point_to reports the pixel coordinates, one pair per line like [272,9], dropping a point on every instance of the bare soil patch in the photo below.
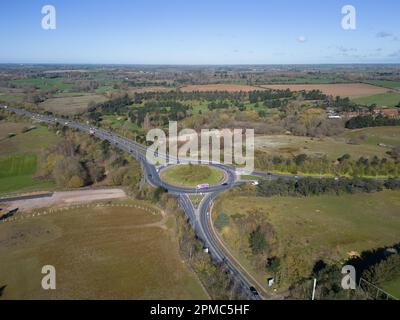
[67,198]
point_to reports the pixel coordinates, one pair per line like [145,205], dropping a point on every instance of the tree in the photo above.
[75,182]
[257,241]
[65,169]
[274,264]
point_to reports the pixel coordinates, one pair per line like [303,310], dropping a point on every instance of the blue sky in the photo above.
[200,32]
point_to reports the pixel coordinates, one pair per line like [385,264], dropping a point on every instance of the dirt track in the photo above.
[67,198]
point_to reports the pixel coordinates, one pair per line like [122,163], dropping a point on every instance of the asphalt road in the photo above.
[27,197]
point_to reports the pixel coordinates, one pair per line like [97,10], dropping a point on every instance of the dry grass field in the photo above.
[365,144]
[71,105]
[325,227]
[99,252]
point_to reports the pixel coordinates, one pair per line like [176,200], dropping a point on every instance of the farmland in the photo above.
[352,90]
[390,99]
[308,229]
[385,83]
[123,253]
[71,104]
[46,83]
[19,155]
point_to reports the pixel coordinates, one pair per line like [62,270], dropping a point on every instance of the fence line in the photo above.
[379,291]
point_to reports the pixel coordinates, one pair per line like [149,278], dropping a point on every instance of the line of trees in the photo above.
[322,165]
[314,186]
[140,97]
[371,121]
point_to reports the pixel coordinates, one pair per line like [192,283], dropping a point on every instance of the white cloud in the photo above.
[301,39]
[384,35]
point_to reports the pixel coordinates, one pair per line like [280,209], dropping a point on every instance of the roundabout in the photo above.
[192,175]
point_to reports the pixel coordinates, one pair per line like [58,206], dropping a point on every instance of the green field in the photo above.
[116,122]
[393,287]
[10,95]
[98,253]
[192,175]
[18,165]
[16,174]
[328,227]
[19,157]
[389,99]
[385,83]
[33,141]
[47,83]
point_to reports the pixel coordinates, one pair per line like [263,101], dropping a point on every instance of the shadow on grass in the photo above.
[2,290]
[370,258]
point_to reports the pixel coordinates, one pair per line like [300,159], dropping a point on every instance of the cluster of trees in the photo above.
[214,276]
[257,241]
[322,165]
[371,121]
[377,266]
[329,278]
[310,122]
[341,104]
[118,105]
[158,112]
[382,272]
[313,95]
[267,95]
[78,161]
[218,105]
[140,97]
[315,186]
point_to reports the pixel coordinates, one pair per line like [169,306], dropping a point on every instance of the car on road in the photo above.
[203,186]
[225,184]
[254,291]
